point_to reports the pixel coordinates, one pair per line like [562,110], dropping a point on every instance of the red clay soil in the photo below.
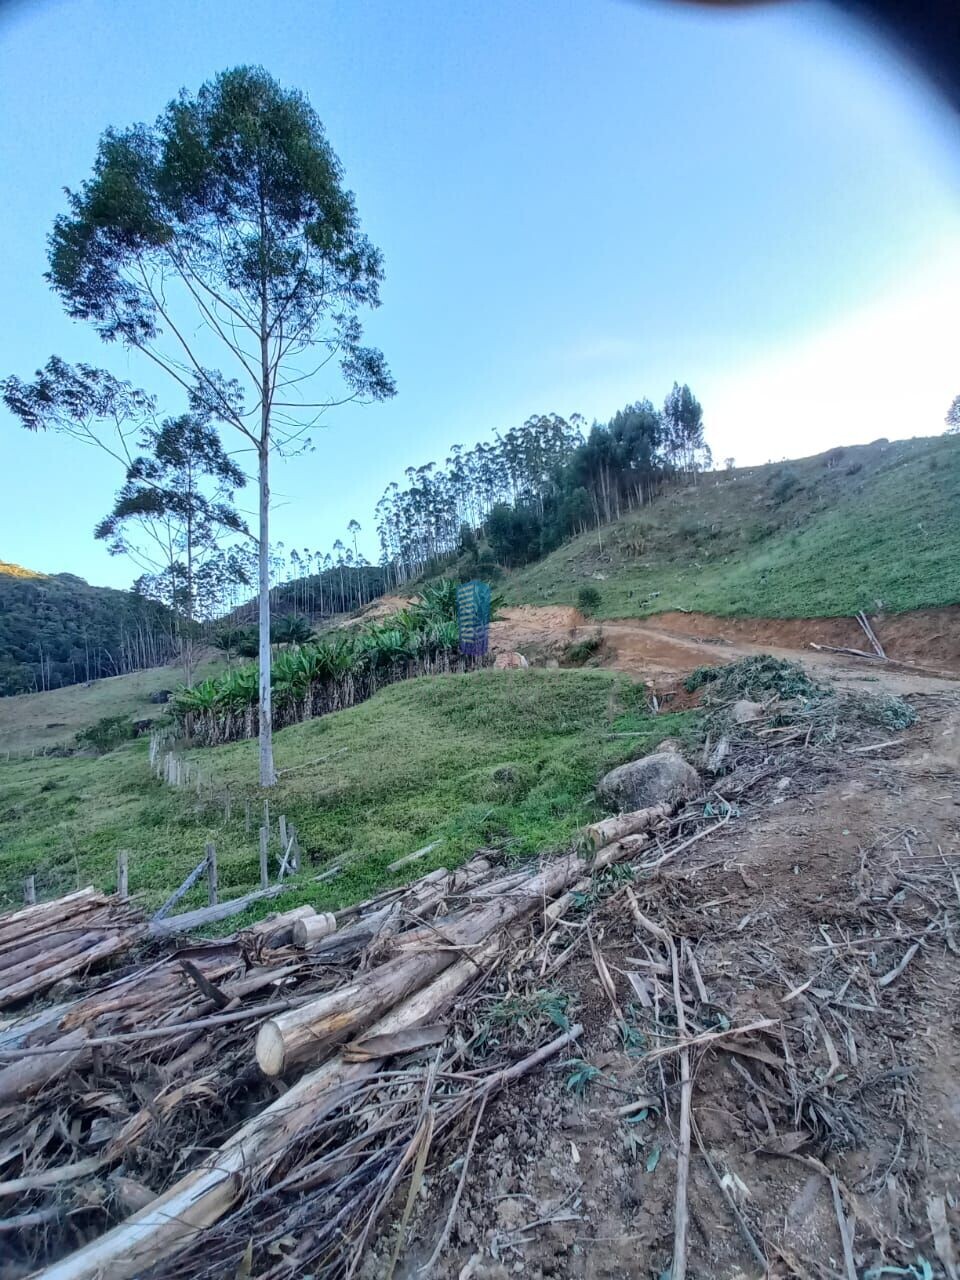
[926,636]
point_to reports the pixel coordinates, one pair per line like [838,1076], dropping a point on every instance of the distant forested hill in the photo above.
[59,630]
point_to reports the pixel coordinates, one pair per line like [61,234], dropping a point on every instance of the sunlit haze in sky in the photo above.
[578,202]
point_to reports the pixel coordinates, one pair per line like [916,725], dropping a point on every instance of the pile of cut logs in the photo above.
[106,1100]
[47,942]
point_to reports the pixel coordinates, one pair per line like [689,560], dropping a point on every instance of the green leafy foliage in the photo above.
[581,1076]
[756,677]
[589,600]
[328,674]
[57,631]
[581,651]
[107,734]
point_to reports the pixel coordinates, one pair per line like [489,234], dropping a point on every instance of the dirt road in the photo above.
[662,649]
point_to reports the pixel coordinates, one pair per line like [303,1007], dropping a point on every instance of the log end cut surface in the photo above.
[270,1049]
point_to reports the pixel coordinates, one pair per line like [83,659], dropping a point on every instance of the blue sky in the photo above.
[578,201]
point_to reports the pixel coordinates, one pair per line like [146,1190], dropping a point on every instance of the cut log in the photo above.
[26,1077]
[209,915]
[311,929]
[313,1030]
[172,1221]
[17,924]
[72,959]
[277,930]
[414,857]
[606,832]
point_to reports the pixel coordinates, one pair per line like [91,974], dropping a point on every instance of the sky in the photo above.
[578,202]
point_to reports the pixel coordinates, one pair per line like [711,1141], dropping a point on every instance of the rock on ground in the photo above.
[663,778]
[505,661]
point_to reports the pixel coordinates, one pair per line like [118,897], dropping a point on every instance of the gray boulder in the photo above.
[663,778]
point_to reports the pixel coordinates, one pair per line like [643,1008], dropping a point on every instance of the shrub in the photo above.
[588,600]
[107,734]
[755,677]
[575,655]
[787,484]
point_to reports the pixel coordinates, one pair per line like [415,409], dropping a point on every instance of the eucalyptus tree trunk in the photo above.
[268,774]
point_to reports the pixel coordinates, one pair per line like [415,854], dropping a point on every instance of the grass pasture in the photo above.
[501,759]
[867,527]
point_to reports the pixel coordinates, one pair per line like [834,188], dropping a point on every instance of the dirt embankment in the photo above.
[673,644]
[930,637]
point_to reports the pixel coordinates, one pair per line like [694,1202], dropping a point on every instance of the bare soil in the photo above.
[924,646]
[803,909]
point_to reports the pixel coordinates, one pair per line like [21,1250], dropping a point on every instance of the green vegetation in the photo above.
[39,721]
[57,630]
[859,528]
[330,675]
[589,600]
[758,677]
[581,651]
[504,759]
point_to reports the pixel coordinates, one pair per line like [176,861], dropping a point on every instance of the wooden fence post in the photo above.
[264,864]
[212,873]
[30,890]
[284,839]
[123,859]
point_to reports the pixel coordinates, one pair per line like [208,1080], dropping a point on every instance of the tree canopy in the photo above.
[224,231]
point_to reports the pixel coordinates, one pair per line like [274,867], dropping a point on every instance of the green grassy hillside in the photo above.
[40,720]
[859,528]
[507,759]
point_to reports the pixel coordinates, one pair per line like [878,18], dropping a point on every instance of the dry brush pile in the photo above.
[254,1107]
[114,1098]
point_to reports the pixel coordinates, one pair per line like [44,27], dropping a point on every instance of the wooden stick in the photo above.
[877,746]
[455,1203]
[732,1204]
[209,915]
[412,857]
[123,863]
[898,969]
[30,890]
[845,1233]
[708,1037]
[211,850]
[184,889]
[869,633]
[169,1030]
[264,863]
[51,1177]
[835,648]
[680,1212]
